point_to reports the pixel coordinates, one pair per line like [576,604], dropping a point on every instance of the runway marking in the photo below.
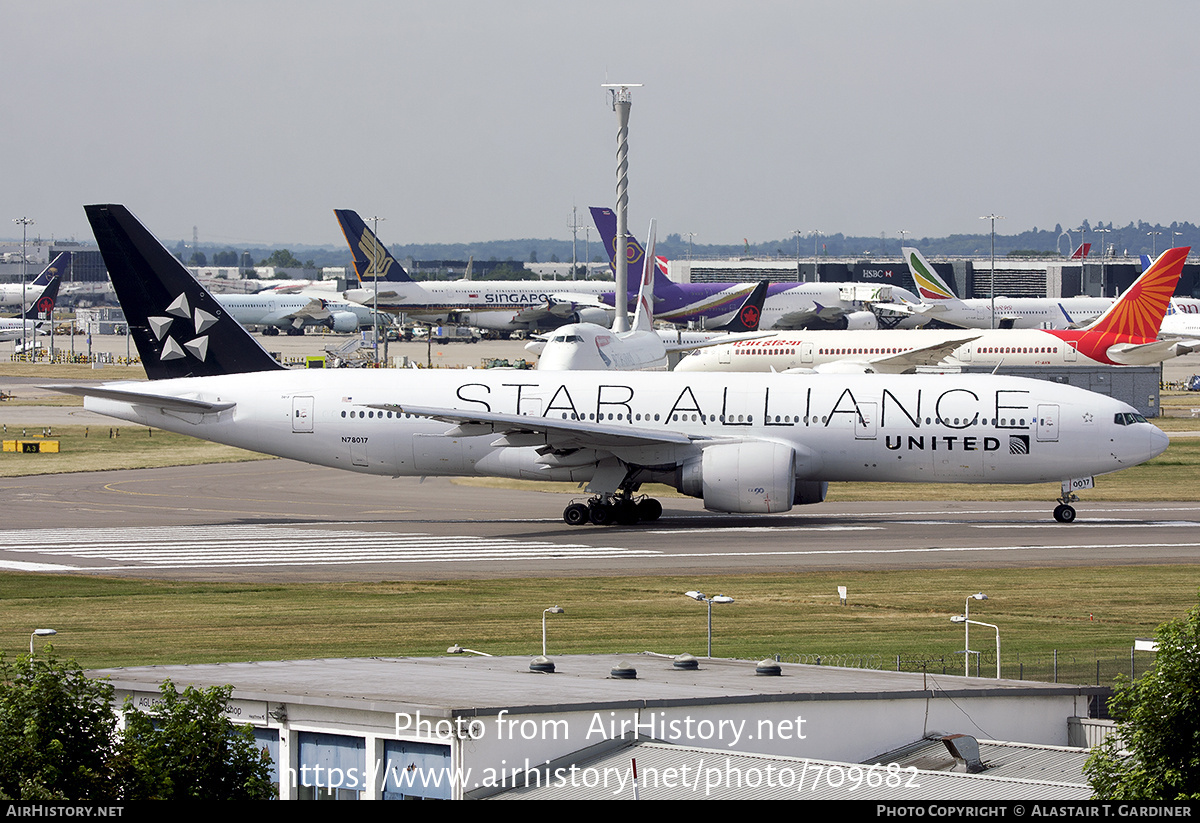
[216,546]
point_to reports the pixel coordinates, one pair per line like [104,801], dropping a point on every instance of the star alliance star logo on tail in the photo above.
[201,321]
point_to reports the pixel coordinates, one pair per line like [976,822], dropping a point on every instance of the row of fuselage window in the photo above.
[981,350]
[785,419]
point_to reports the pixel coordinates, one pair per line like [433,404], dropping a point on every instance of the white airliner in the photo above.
[11,294]
[1126,335]
[589,346]
[742,442]
[497,305]
[42,294]
[293,313]
[939,302]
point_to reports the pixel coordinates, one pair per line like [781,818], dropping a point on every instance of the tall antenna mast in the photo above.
[621,102]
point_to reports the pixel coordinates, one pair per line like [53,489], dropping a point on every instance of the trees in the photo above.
[59,741]
[57,731]
[189,750]
[1158,723]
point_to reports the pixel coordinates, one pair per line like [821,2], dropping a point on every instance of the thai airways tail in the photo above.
[372,260]
[606,224]
[179,328]
[1140,310]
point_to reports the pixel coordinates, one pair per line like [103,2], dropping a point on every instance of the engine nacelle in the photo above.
[844,367]
[861,320]
[342,321]
[594,315]
[756,477]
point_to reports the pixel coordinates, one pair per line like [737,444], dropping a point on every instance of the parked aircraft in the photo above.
[293,313]
[11,294]
[788,305]
[497,305]
[42,300]
[742,442]
[1125,335]
[939,302]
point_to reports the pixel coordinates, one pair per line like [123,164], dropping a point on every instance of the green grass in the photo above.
[105,448]
[111,622]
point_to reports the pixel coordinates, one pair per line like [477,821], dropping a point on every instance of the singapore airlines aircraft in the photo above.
[742,442]
[1126,335]
[498,305]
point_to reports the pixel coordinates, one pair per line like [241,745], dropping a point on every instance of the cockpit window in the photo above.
[1128,418]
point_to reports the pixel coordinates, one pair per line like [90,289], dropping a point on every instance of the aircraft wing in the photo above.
[159,401]
[796,319]
[560,434]
[930,355]
[315,309]
[1148,353]
[715,341]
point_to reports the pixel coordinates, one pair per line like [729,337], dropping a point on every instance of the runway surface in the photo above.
[276,521]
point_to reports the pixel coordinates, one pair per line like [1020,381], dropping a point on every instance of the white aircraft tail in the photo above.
[643,318]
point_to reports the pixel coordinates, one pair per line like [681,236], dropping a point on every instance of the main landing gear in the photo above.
[612,509]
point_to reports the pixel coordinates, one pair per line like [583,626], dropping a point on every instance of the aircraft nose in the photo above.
[1158,441]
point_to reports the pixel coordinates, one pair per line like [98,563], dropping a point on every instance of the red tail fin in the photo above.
[1139,311]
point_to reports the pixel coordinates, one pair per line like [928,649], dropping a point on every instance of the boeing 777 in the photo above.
[756,443]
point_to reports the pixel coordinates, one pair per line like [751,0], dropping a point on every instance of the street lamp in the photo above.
[958,618]
[967,633]
[720,598]
[1153,235]
[993,217]
[375,277]
[551,610]
[1103,255]
[40,633]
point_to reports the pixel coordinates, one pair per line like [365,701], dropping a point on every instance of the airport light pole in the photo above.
[720,598]
[958,618]
[24,223]
[621,103]
[993,217]
[40,633]
[797,233]
[1103,254]
[967,632]
[551,610]
[1153,235]
[816,234]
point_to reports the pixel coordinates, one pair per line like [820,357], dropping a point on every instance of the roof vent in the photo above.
[965,751]
[542,664]
[623,671]
[686,662]
[768,668]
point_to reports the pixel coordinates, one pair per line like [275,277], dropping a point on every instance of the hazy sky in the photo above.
[470,121]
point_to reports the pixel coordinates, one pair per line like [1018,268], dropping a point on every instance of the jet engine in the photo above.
[861,320]
[593,315]
[753,477]
[342,321]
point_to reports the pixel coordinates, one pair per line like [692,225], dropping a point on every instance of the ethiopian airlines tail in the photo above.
[1139,312]
[930,285]
[179,328]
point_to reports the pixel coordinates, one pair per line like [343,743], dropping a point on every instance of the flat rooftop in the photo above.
[484,685]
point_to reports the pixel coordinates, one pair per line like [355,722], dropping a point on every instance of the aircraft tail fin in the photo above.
[606,223]
[57,268]
[179,328]
[371,258]
[1140,310]
[643,318]
[44,302]
[930,285]
[748,316]
[1081,252]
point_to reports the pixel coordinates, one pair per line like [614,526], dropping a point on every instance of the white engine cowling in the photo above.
[755,477]
[594,315]
[861,320]
[343,321]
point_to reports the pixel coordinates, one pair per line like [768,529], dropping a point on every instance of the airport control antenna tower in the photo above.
[621,101]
